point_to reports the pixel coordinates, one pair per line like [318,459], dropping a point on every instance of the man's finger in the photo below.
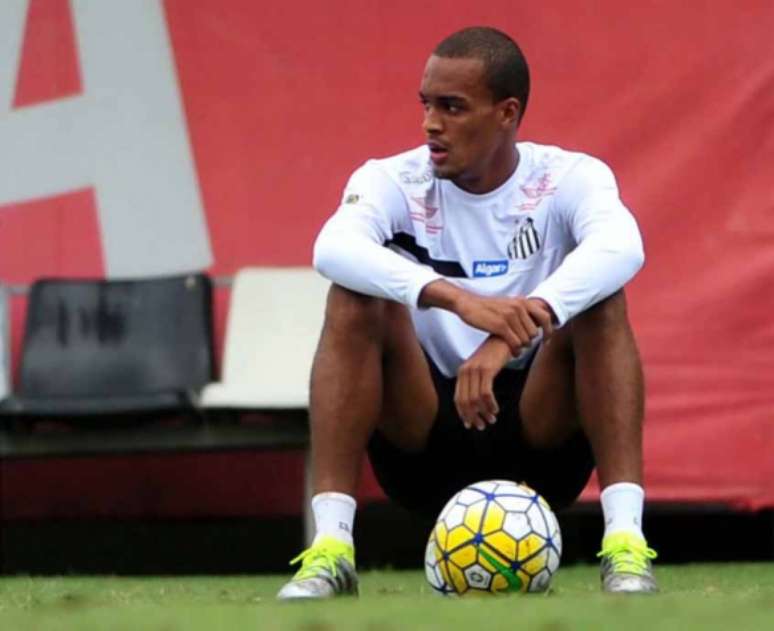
[476,408]
[513,342]
[490,403]
[528,321]
[517,327]
[469,416]
[481,398]
[542,316]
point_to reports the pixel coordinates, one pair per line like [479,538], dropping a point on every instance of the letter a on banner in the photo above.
[125,136]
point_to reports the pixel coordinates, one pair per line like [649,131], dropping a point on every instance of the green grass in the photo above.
[732,597]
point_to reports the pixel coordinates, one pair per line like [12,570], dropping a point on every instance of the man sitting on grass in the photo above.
[477,325]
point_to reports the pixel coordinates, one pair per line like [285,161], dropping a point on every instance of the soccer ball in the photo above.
[493,536]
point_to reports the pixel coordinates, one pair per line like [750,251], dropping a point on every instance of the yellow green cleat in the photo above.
[626,566]
[327,570]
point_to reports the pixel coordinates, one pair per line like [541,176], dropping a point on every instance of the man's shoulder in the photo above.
[557,168]
[543,157]
[408,168]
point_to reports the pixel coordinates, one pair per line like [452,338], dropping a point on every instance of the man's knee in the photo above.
[356,315]
[604,316]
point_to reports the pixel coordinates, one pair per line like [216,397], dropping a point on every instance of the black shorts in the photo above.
[455,457]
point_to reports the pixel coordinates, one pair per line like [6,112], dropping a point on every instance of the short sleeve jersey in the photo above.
[556,229]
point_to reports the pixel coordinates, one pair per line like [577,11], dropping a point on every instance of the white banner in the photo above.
[126,136]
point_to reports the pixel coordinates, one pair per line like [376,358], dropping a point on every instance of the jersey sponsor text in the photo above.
[489,268]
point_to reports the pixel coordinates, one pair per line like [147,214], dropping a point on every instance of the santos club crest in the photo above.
[525,242]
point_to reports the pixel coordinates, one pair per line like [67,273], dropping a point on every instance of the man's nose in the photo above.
[431,123]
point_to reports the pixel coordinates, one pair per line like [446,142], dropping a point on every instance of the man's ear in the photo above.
[511,111]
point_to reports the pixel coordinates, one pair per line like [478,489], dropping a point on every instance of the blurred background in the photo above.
[144,139]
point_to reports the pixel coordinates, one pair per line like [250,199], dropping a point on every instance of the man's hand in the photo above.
[474,397]
[515,320]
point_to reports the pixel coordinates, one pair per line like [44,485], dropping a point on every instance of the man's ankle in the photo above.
[334,516]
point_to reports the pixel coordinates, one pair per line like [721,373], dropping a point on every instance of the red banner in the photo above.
[281,102]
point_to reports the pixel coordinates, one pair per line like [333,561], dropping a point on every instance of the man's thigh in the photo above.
[409,399]
[548,407]
[423,479]
[455,457]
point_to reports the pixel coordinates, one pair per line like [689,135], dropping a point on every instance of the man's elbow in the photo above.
[323,254]
[628,252]
[332,253]
[627,258]
[635,257]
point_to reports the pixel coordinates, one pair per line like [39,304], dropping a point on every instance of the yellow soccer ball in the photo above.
[491,537]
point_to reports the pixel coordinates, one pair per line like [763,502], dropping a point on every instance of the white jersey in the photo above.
[556,229]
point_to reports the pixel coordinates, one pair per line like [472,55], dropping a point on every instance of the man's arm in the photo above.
[514,320]
[473,396]
[350,247]
[350,251]
[609,248]
[609,253]
[512,323]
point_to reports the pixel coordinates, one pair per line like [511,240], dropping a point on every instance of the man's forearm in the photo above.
[352,259]
[442,294]
[445,295]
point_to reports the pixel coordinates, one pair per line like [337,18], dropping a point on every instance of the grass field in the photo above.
[732,597]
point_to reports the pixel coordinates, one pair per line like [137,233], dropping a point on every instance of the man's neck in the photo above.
[501,168]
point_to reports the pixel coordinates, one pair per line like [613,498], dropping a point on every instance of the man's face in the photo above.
[465,129]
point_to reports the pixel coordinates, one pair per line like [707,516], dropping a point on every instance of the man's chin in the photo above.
[443,172]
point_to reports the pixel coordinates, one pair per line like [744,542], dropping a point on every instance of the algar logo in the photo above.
[485,269]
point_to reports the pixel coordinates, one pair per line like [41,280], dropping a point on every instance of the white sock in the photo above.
[622,507]
[334,516]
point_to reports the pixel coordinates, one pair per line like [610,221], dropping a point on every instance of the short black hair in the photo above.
[505,67]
